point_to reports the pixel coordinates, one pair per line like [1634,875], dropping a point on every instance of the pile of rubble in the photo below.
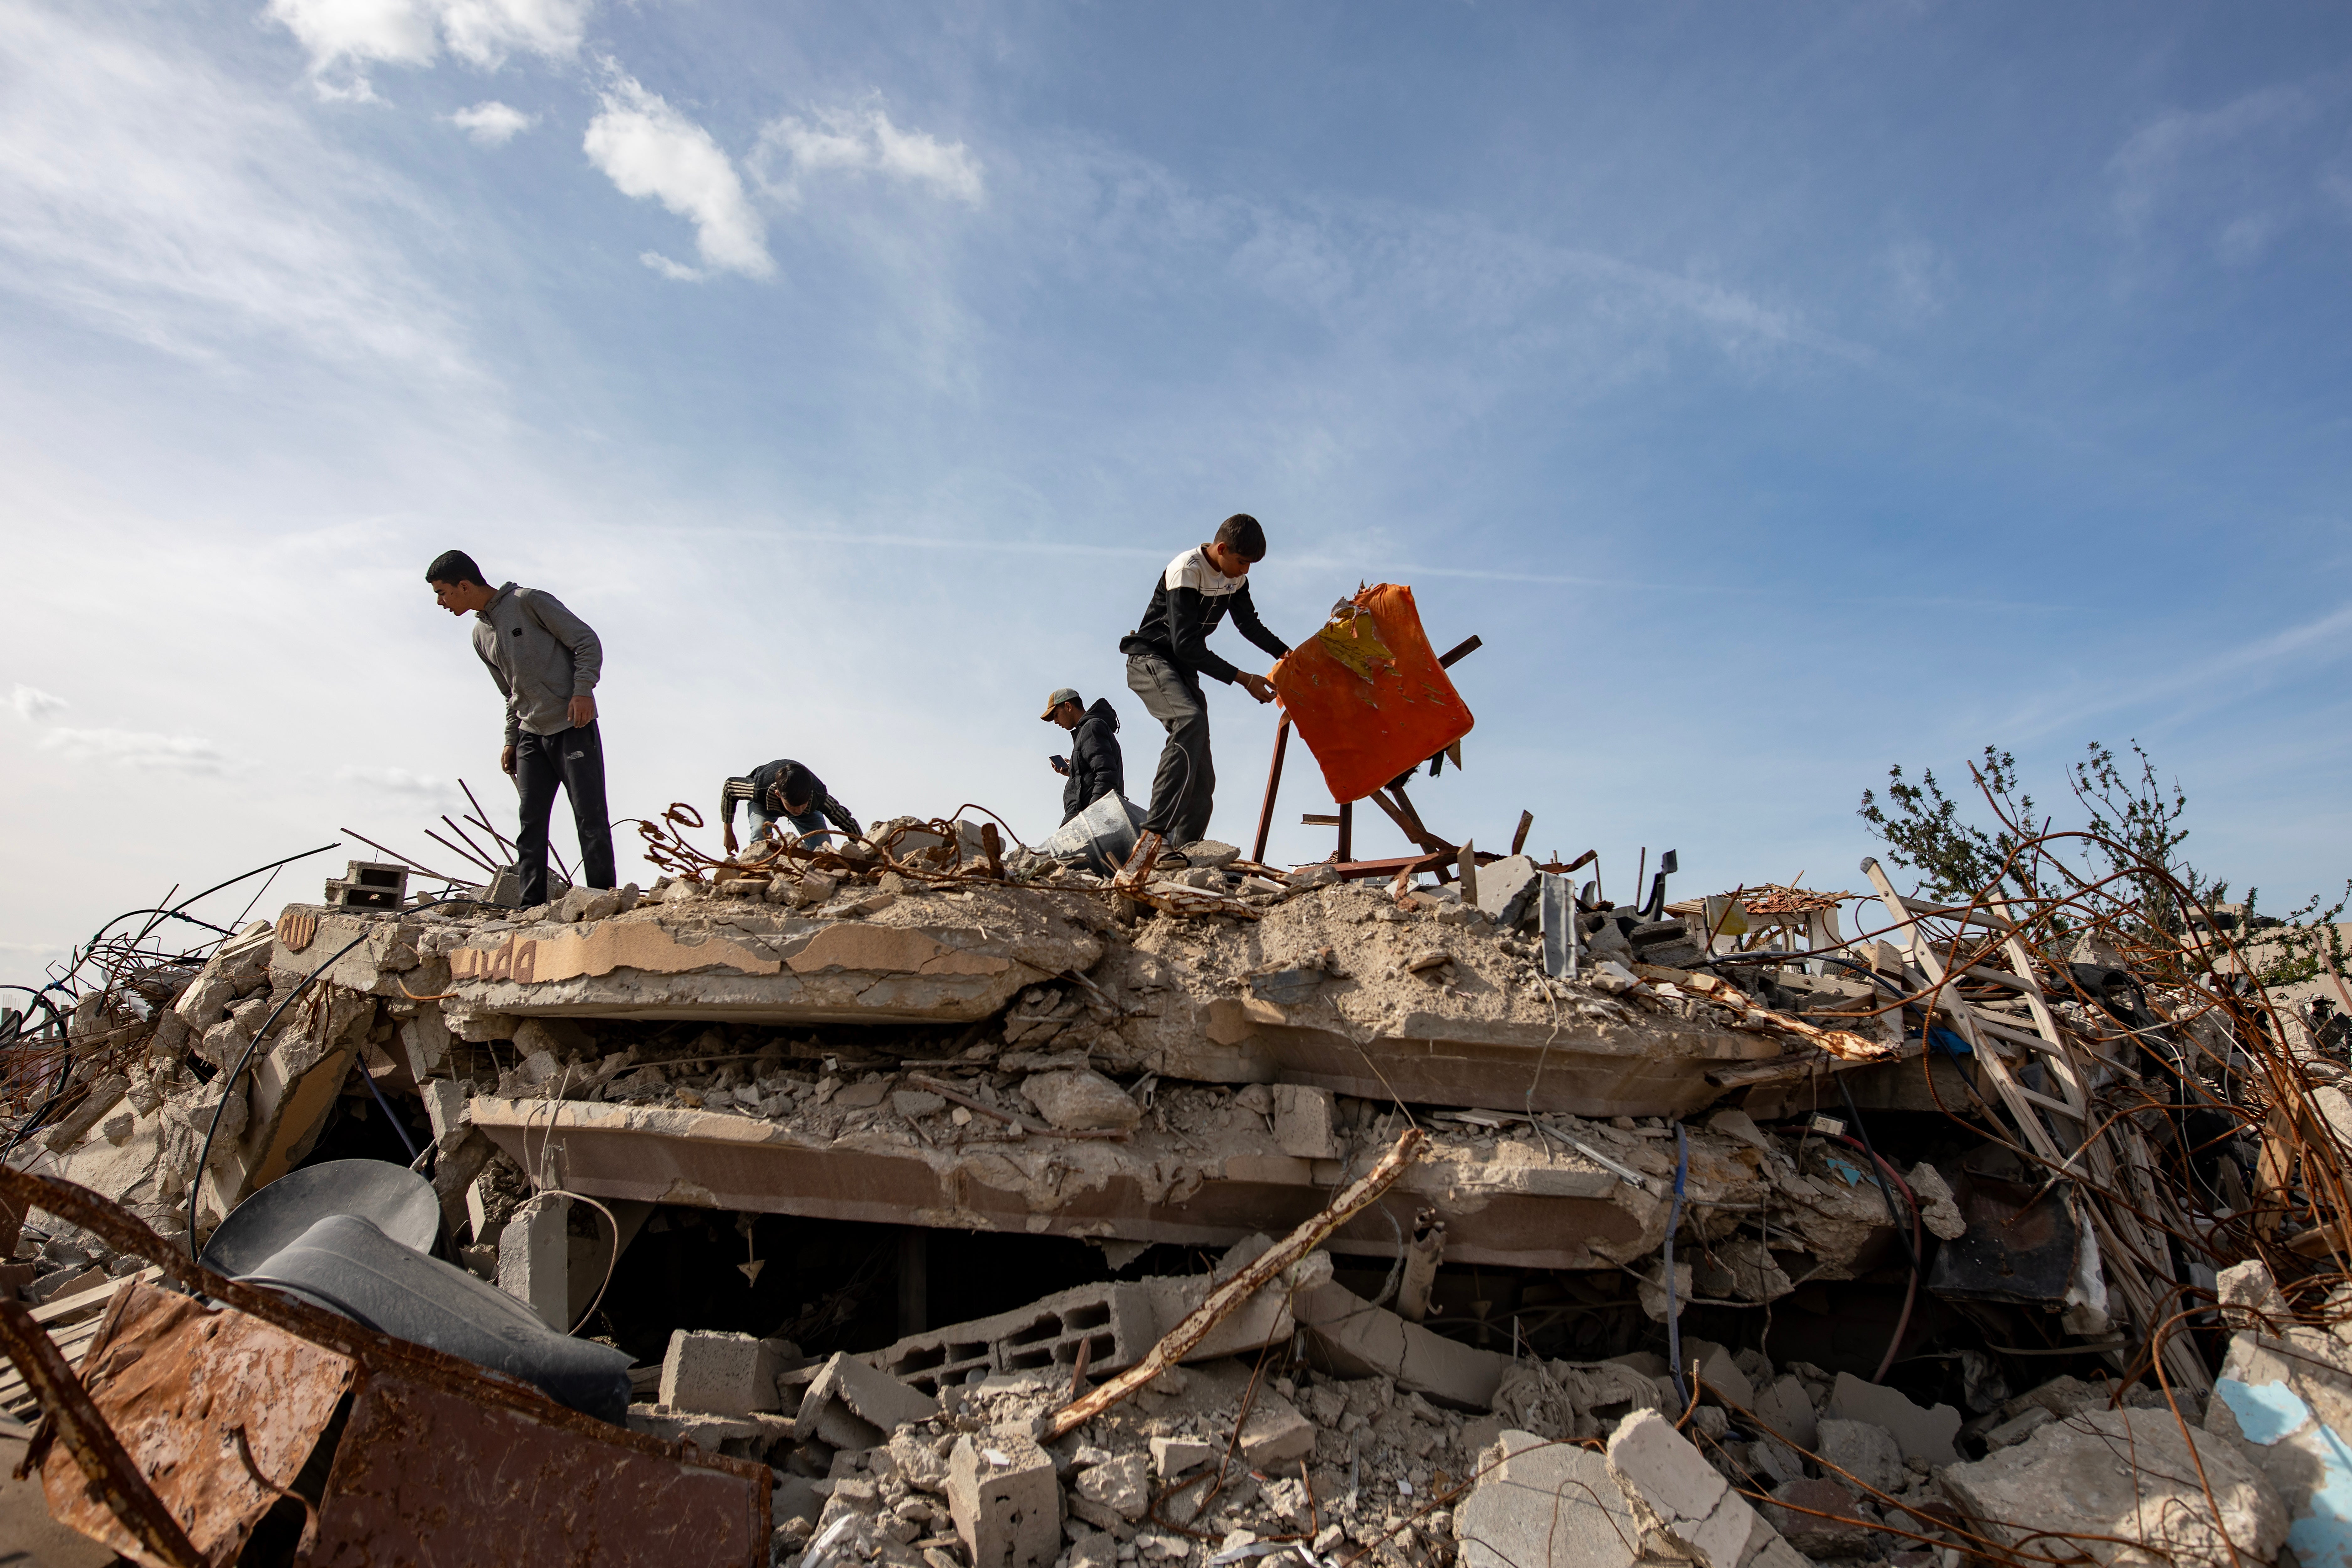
[1988,1232]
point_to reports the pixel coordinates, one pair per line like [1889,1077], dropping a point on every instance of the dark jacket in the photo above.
[1096,767]
[1189,602]
[799,783]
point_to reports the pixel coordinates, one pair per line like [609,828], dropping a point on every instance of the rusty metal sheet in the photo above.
[216,1409]
[425,1476]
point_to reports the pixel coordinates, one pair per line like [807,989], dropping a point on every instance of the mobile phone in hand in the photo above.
[1061,764]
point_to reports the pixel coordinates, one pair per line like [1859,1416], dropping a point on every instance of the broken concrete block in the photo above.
[233,968]
[850,1405]
[103,1095]
[1007,1504]
[2251,1298]
[1276,1432]
[1507,889]
[1120,1485]
[721,1374]
[1724,1383]
[912,1103]
[535,1259]
[445,1108]
[424,1040]
[1867,1454]
[1821,1519]
[2105,1477]
[1543,1505]
[559,1037]
[1786,1409]
[1079,1100]
[2063,1395]
[1355,1339]
[587,904]
[63,1282]
[1303,1122]
[2008,1433]
[1116,1322]
[1264,1318]
[1923,1434]
[1684,1508]
[1172,1456]
[1938,1209]
[2288,1402]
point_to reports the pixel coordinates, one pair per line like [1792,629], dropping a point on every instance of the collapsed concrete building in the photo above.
[1723,1237]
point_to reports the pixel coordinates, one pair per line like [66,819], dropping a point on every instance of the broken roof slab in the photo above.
[1526,1201]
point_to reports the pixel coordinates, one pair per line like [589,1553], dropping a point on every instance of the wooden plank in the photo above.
[96,1296]
[1994,1068]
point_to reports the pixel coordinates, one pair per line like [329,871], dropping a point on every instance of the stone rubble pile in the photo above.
[1502,1365]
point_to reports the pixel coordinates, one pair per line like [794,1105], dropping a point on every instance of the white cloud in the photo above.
[398,781]
[676,271]
[143,192]
[2156,157]
[648,149]
[352,34]
[492,123]
[137,749]
[33,704]
[1919,278]
[865,140]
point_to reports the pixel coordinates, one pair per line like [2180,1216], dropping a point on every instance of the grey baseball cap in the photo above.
[1060,695]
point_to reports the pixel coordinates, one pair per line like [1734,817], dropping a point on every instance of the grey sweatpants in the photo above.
[1183,790]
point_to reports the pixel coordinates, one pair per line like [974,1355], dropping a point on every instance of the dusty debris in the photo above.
[1905,1177]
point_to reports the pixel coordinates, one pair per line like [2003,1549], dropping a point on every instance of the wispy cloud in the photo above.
[33,704]
[137,749]
[647,148]
[492,123]
[862,141]
[2153,159]
[344,37]
[144,193]
[676,271]
[398,782]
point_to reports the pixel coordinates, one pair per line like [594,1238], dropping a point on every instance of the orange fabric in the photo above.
[1367,695]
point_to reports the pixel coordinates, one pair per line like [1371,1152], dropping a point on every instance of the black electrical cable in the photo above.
[204,1157]
[1895,1211]
[385,1105]
[256,871]
[64,1074]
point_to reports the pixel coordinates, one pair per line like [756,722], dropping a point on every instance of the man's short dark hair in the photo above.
[794,789]
[1241,534]
[456,567]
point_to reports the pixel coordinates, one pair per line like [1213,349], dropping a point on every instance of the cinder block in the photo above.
[1115,1321]
[535,1259]
[1355,1339]
[1303,1122]
[1006,1503]
[851,1405]
[721,1374]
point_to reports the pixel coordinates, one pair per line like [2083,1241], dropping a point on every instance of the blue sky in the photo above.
[1779,392]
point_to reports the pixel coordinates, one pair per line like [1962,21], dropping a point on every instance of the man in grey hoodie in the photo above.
[545,662]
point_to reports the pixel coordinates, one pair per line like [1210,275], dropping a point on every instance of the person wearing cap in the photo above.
[1094,766]
[782,791]
[1168,653]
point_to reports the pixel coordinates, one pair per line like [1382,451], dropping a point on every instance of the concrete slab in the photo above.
[1544,1504]
[1506,1202]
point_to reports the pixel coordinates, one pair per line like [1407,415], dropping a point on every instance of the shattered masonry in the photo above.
[1981,1241]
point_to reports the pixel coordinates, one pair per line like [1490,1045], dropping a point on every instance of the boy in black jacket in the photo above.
[1095,768]
[1167,656]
